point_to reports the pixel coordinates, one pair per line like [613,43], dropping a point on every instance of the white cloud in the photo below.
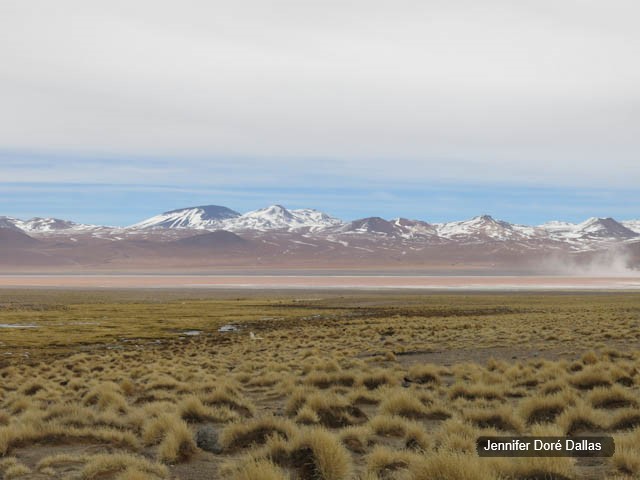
[541,91]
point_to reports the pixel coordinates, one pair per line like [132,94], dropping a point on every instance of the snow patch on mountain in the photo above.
[633,225]
[9,223]
[46,225]
[49,225]
[558,227]
[415,228]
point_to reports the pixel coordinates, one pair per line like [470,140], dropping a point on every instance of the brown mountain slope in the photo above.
[13,238]
[215,240]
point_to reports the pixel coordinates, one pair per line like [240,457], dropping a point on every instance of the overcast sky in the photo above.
[527,110]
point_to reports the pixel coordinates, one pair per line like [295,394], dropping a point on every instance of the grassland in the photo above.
[319,385]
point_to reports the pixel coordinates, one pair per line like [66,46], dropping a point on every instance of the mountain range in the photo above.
[212,236]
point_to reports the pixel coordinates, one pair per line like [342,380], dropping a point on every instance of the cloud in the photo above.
[533,92]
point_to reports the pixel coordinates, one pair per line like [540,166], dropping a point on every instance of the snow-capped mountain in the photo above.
[278,237]
[415,228]
[398,227]
[476,230]
[204,217]
[279,224]
[42,225]
[214,217]
[483,227]
[594,228]
[45,225]
[604,228]
[375,225]
[277,217]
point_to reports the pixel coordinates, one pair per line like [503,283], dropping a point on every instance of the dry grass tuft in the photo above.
[230,399]
[389,425]
[99,466]
[590,378]
[417,439]
[255,432]
[424,374]
[258,469]
[325,380]
[625,419]
[316,453]
[590,358]
[476,391]
[362,396]
[192,410]
[456,436]
[16,435]
[543,409]
[156,428]
[105,396]
[612,398]
[384,462]
[403,403]
[357,438]
[626,458]
[501,418]
[537,468]
[377,379]
[331,410]
[17,470]
[451,466]
[178,444]
[581,418]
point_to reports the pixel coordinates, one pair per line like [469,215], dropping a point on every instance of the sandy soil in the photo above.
[324,281]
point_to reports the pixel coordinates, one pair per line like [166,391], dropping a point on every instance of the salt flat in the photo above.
[426,282]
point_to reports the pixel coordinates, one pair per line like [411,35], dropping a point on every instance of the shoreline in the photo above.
[384,282]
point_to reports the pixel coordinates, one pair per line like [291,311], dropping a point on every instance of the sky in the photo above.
[111,112]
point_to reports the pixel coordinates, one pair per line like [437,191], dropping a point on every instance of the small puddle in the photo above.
[228,328]
[192,333]
[17,325]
